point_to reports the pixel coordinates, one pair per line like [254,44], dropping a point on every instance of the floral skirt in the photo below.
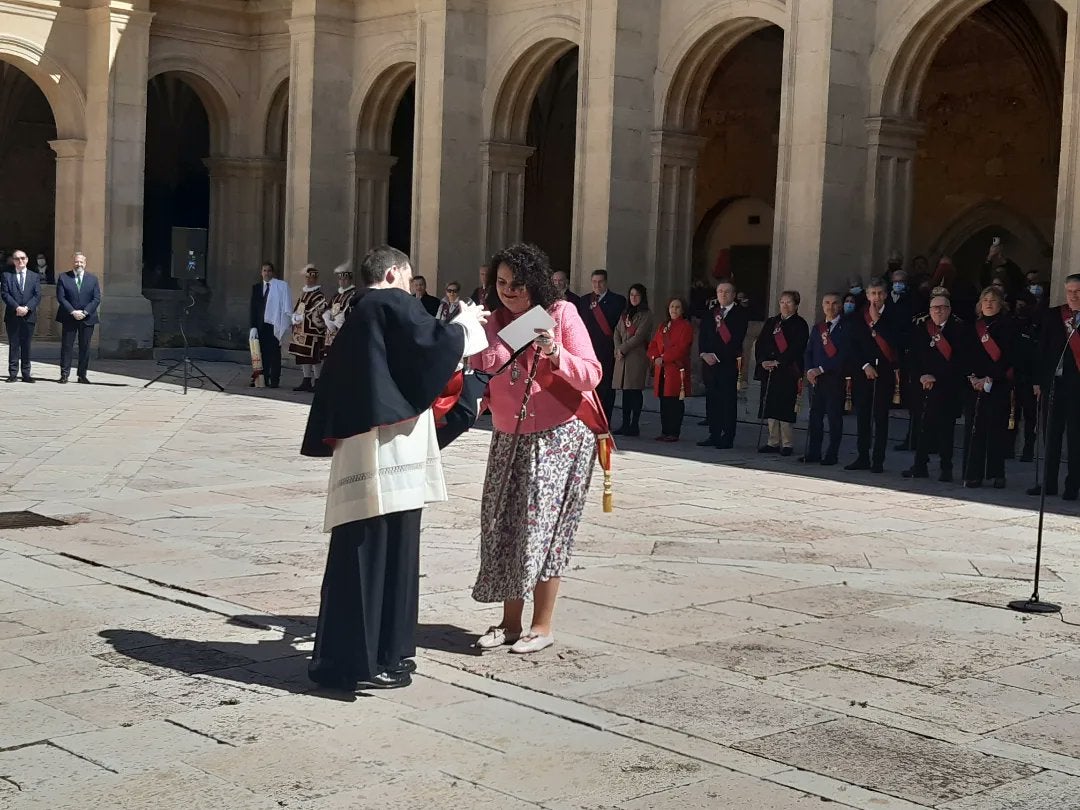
[542,482]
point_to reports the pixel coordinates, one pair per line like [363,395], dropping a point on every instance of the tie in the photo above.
[266,288]
[22,280]
[78,280]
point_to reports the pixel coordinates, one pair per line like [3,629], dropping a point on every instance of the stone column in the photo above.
[503,173]
[613,194]
[69,194]
[821,171]
[273,223]
[1067,227]
[320,134]
[671,235]
[890,174]
[450,71]
[370,171]
[118,42]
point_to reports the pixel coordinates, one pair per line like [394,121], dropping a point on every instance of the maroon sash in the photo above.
[779,338]
[826,341]
[882,344]
[601,318]
[721,327]
[938,340]
[988,342]
[1074,342]
[631,330]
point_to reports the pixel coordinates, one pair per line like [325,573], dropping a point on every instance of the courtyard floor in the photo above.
[739,633]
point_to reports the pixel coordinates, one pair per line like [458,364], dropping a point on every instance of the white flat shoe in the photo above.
[531,643]
[496,637]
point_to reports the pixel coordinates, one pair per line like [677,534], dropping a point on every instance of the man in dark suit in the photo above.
[720,342]
[562,284]
[419,290]
[269,345]
[21,292]
[825,372]
[78,296]
[601,312]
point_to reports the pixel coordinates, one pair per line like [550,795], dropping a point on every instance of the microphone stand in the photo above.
[1034,604]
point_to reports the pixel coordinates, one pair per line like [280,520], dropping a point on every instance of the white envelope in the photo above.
[523,330]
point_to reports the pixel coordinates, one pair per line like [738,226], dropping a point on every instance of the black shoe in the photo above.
[916,472]
[332,680]
[858,464]
[973,483]
[877,468]
[710,442]
[29,379]
[1070,494]
[63,380]
[725,445]
[304,386]
[768,448]
[13,378]
[999,483]
[830,461]
[387,680]
[84,380]
[787,451]
[810,460]
[1038,491]
[271,385]
[945,477]
[406,665]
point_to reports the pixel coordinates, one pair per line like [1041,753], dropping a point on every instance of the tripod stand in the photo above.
[191,373]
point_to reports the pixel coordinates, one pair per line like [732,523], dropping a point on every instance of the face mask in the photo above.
[849,307]
[855,290]
[1035,289]
[899,286]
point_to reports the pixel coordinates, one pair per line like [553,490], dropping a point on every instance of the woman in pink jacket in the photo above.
[542,454]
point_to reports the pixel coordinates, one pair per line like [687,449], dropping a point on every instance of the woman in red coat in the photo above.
[670,355]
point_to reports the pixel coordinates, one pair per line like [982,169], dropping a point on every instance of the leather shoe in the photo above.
[29,379]
[858,464]
[63,380]
[787,451]
[725,445]
[1038,491]
[829,461]
[387,680]
[12,379]
[84,380]
[809,460]
[404,665]
[707,443]
[999,483]
[768,448]
[973,483]
[877,468]
[916,472]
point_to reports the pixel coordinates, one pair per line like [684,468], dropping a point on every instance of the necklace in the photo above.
[515,373]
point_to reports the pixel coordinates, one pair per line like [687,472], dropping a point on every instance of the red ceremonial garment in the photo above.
[987,341]
[601,318]
[938,340]
[826,341]
[721,327]
[1068,315]
[779,338]
[882,344]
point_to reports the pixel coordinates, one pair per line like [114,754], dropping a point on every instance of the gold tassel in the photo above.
[740,384]
[896,391]
[609,497]
[603,452]
[848,405]
[1012,410]
[682,384]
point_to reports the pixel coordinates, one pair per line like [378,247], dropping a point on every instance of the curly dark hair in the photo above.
[531,269]
[631,310]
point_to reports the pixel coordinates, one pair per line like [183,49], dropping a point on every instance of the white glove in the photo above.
[328,319]
[339,321]
[297,319]
[253,334]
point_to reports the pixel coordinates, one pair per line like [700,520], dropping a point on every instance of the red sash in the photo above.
[826,341]
[721,327]
[779,338]
[601,318]
[449,397]
[631,330]
[938,340]
[1074,342]
[882,344]
[988,342]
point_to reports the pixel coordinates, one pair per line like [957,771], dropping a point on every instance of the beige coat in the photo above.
[632,370]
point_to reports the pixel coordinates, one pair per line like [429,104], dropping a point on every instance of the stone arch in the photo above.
[379,106]
[517,83]
[989,214]
[897,75]
[690,65]
[277,122]
[217,94]
[65,97]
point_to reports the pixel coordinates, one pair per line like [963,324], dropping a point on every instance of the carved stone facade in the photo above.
[301,98]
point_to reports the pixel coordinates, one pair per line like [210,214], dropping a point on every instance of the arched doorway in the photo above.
[277,153]
[548,211]
[991,106]
[28,168]
[400,191]
[177,180]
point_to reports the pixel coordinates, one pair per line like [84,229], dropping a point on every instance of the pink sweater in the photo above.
[577,365]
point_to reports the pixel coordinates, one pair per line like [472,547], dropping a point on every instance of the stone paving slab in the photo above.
[736,634]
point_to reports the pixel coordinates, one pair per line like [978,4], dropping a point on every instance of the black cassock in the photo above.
[783,383]
[391,360]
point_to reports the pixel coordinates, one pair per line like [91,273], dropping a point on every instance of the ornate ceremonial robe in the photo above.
[309,330]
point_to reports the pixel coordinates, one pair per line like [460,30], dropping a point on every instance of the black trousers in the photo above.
[606,392]
[986,433]
[270,347]
[936,429]
[672,410]
[827,402]
[872,404]
[722,402]
[1027,409]
[68,333]
[19,333]
[633,401]
[1061,424]
[370,598]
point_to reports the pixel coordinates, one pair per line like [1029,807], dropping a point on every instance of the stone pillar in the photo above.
[820,217]
[450,71]
[503,172]
[235,244]
[273,224]
[890,173]
[613,193]
[671,235]
[118,42]
[320,134]
[370,171]
[69,193]
[1067,226]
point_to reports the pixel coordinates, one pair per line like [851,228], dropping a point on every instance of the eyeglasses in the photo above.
[453,290]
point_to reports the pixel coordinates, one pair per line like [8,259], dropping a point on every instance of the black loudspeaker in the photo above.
[189,253]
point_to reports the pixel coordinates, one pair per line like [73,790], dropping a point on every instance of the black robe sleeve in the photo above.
[391,360]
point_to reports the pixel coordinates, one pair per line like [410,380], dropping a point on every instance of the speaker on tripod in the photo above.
[188,266]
